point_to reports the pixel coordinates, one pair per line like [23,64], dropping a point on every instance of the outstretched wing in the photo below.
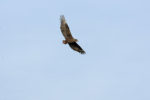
[76,47]
[65,28]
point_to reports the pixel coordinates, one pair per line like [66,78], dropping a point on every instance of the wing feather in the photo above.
[65,28]
[76,47]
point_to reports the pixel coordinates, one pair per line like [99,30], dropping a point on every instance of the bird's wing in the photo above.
[76,47]
[65,28]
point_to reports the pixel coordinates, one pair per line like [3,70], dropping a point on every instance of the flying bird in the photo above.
[69,39]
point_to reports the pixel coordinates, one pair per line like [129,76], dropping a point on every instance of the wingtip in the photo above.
[82,52]
[62,17]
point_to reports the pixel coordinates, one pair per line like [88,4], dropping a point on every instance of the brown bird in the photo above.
[69,39]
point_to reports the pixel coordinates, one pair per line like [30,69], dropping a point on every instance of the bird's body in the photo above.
[69,39]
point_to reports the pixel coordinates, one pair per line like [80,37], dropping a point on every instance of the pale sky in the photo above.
[35,65]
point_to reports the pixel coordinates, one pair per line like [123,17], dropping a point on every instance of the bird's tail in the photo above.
[76,47]
[62,19]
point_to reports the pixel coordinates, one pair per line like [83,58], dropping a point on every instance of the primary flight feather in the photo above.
[69,39]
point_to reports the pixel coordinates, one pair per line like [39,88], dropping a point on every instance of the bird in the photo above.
[69,39]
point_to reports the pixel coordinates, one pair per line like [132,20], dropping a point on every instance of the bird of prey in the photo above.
[69,39]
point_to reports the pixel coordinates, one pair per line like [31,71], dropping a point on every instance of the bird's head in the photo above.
[75,40]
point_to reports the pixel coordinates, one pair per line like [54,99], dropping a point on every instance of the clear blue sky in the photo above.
[35,65]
